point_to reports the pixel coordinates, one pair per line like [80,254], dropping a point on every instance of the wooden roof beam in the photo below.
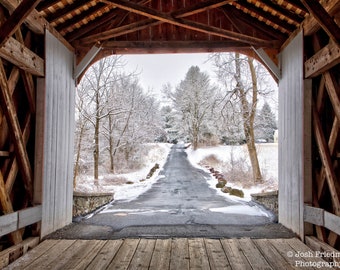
[92,25]
[199,7]
[46,4]
[237,17]
[118,31]
[15,20]
[68,9]
[297,4]
[324,19]
[267,16]
[171,46]
[279,9]
[77,18]
[105,21]
[191,25]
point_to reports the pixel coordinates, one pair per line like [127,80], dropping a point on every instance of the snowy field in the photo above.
[131,185]
[227,155]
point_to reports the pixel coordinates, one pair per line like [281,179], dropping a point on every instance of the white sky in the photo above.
[158,69]
[155,70]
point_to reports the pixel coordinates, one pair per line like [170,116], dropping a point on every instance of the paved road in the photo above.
[179,204]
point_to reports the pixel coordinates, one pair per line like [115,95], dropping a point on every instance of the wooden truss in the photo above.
[19,66]
[323,68]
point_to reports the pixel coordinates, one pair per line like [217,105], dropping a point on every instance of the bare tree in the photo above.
[81,127]
[99,79]
[133,118]
[240,78]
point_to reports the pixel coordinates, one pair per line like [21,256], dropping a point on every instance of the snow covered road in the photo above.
[181,196]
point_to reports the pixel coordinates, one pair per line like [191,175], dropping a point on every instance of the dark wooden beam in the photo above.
[311,25]
[97,23]
[239,18]
[26,76]
[19,15]
[324,19]
[191,10]
[199,7]
[13,167]
[16,134]
[118,31]
[34,21]
[44,4]
[298,5]
[191,25]
[327,162]
[171,46]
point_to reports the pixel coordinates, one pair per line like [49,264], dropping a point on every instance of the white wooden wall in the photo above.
[294,140]
[56,94]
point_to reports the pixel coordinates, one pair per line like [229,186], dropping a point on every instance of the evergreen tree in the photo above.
[266,123]
[194,100]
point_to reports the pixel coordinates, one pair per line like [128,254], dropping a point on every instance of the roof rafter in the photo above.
[191,25]
[69,8]
[102,21]
[46,4]
[118,31]
[76,19]
[267,16]
[200,7]
[238,17]
[292,16]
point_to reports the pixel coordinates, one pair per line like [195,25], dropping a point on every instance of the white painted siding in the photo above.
[59,91]
[291,134]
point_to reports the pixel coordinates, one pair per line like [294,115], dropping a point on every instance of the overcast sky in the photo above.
[158,69]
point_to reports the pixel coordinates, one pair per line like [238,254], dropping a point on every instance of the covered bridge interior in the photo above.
[46,46]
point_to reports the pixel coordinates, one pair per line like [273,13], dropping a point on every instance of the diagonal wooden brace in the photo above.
[15,131]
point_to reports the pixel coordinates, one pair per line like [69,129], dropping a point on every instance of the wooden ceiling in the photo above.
[162,26]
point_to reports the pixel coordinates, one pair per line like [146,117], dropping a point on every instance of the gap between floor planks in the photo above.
[175,253]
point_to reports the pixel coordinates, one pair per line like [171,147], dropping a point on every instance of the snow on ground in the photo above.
[130,185]
[268,159]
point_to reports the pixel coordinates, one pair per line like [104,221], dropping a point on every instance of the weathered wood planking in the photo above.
[291,142]
[58,136]
[194,253]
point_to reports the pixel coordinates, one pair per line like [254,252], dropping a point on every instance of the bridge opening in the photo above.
[142,127]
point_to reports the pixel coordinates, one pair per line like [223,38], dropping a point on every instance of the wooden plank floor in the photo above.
[176,254]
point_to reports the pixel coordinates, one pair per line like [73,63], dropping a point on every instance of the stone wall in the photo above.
[268,199]
[85,203]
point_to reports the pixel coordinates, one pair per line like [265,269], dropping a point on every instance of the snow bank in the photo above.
[268,159]
[129,185]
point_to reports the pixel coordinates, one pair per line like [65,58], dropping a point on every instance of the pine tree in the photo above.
[266,123]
